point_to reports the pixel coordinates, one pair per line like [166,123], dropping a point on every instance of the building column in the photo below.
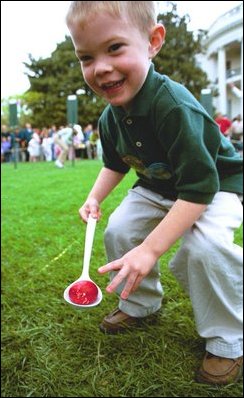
[222,100]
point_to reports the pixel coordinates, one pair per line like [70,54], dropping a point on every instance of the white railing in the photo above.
[228,19]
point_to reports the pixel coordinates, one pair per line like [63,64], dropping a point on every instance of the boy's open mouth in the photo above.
[111,86]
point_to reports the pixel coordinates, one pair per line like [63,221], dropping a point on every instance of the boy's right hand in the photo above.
[91,206]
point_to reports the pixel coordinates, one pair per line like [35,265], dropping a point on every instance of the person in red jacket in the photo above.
[224,123]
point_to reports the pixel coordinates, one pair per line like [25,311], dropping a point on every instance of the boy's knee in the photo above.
[197,245]
[109,234]
[113,230]
[119,231]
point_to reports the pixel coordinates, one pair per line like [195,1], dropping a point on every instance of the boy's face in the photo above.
[114,57]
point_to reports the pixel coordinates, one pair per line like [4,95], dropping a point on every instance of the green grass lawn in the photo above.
[51,349]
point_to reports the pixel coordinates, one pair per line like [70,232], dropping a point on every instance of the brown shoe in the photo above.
[117,322]
[218,370]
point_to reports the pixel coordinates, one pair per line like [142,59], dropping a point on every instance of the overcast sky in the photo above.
[36,27]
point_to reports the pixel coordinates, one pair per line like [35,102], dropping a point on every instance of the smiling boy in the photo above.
[188,180]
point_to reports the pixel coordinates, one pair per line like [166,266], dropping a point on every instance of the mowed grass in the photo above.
[50,349]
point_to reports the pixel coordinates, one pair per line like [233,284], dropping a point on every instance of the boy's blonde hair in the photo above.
[142,14]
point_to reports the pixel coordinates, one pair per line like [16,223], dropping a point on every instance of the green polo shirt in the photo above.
[173,144]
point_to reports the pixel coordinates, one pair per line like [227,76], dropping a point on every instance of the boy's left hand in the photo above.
[132,267]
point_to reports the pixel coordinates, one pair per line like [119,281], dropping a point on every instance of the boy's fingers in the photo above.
[94,211]
[128,287]
[113,266]
[84,213]
[117,280]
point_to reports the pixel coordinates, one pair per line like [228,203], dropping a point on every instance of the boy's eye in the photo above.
[115,47]
[84,58]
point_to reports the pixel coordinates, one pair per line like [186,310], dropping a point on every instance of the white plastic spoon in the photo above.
[90,230]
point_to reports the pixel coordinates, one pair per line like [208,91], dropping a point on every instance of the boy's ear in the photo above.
[157,37]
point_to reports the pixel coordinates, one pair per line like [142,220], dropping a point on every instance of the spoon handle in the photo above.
[90,230]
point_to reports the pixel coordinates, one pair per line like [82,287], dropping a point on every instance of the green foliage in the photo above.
[177,59]
[4,112]
[49,349]
[22,108]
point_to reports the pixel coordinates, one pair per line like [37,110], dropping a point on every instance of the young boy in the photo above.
[189,176]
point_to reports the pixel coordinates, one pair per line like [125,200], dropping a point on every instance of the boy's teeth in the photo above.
[112,84]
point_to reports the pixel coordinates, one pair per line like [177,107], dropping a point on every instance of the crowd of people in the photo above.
[49,144]
[58,144]
[232,129]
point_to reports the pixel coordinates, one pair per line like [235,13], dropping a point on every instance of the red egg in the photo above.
[83,292]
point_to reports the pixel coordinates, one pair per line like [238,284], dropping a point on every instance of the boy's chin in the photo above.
[122,104]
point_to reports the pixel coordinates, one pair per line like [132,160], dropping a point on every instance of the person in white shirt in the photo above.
[34,147]
[236,133]
[236,91]
[46,145]
[64,139]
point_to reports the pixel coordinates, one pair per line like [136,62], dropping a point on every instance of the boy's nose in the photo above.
[102,67]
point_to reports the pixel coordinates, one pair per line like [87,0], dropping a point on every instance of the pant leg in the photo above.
[64,149]
[89,150]
[131,222]
[209,267]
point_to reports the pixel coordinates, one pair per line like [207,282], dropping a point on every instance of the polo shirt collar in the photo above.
[142,101]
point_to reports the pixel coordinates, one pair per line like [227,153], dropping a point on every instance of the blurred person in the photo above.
[5,144]
[94,137]
[25,134]
[47,144]
[79,145]
[64,139]
[5,149]
[52,133]
[236,133]
[224,123]
[99,147]
[5,131]
[88,130]
[34,147]
[236,91]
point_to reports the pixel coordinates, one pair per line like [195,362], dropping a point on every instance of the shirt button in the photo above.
[128,121]
[139,144]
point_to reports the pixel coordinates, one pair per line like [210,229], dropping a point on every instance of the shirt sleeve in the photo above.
[192,141]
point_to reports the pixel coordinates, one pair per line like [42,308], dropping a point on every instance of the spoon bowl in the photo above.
[86,291]
[83,306]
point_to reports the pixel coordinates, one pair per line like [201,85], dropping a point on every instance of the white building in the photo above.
[223,61]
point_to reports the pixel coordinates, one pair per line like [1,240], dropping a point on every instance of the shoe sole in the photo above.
[202,379]
[139,323]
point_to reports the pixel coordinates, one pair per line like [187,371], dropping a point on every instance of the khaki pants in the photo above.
[208,264]
[64,149]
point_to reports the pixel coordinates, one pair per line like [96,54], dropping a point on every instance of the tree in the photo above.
[23,113]
[177,58]
[53,79]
